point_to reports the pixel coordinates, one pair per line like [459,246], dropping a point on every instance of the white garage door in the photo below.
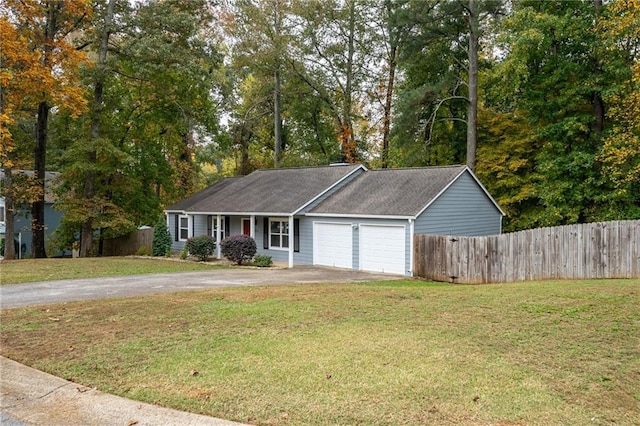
[382,249]
[332,244]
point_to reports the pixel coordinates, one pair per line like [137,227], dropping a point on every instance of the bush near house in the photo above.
[201,246]
[238,248]
[262,261]
[161,245]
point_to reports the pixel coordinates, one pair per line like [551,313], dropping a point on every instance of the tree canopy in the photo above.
[138,104]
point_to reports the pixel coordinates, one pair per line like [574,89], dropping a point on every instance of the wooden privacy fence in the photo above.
[591,250]
[129,244]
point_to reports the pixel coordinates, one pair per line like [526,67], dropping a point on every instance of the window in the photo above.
[279,233]
[183,228]
[1,213]
[214,227]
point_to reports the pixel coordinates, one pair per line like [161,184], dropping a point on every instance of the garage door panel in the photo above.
[333,245]
[382,248]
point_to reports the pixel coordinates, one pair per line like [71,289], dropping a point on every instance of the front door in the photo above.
[246,227]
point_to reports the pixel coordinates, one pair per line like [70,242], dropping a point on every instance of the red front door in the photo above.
[246,226]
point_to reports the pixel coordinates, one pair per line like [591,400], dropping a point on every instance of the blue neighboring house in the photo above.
[22,218]
[342,216]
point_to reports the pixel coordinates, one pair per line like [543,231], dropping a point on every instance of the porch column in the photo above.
[291,236]
[218,236]
[252,232]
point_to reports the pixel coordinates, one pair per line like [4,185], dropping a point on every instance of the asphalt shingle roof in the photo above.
[199,196]
[390,192]
[268,191]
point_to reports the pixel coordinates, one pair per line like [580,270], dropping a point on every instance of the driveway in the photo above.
[16,295]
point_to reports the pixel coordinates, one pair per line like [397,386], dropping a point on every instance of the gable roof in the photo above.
[274,191]
[199,196]
[393,192]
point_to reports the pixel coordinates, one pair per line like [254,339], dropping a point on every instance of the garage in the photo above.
[382,248]
[333,244]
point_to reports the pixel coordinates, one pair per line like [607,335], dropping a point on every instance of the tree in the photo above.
[438,97]
[620,151]
[161,238]
[337,68]
[44,27]
[558,72]
[151,102]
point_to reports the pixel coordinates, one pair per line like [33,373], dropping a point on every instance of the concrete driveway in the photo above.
[16,295]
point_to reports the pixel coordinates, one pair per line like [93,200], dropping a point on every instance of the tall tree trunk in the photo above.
[37,206]
[277,120]
[86,244]
[472,115]
[9,235]
[387,106]
[277,131]
[40,150]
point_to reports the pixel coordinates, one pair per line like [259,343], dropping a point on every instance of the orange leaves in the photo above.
[39,62]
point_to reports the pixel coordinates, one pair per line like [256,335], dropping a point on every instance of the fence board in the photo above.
[129,244]
[583,251]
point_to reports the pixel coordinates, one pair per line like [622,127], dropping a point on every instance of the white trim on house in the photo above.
[218,238]
[181,228]
[359,216]
[292,236]
[289,235]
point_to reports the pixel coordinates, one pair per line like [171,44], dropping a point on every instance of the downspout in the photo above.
[218,236]
[291,241]
[411,244]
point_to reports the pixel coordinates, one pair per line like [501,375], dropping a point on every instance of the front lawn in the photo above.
[33,270]
[544,353]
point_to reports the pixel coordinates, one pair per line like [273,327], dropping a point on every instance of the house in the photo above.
[22,217]
[340,215]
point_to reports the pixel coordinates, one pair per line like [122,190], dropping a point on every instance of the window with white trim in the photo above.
[279,233]
[183,228]
[214,227]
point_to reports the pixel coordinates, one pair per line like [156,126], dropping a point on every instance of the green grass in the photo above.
[34,270]
[407,352]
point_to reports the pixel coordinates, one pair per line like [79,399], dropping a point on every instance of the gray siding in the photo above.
[463,209]
[22,225]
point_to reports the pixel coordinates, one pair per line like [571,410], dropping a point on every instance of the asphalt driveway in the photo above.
[16,295]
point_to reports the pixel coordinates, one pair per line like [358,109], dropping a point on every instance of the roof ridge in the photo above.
[326,166]
[452,166]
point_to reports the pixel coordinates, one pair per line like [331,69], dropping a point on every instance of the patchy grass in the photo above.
[33,270]
[545,353]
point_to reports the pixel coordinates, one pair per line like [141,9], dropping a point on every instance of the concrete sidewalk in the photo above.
[31,397]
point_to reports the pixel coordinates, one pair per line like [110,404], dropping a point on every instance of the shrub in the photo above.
[161,239]
[142,251]
[262,261]
[16,247]
[238,248]
[201,246]
[184,253]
